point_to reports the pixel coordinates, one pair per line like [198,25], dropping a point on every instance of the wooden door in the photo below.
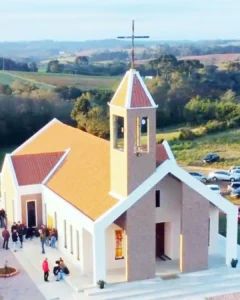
[159,239]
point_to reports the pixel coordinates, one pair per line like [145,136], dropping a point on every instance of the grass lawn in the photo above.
[81,81]
[226,144]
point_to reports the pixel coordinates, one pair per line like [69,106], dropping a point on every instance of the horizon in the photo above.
[78,20]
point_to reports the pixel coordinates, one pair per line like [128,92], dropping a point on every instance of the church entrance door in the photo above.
[31,213]
[160,228]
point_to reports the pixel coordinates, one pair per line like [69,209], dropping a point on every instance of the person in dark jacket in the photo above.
[15,239]
[6,236]
[14,226]
[20,231]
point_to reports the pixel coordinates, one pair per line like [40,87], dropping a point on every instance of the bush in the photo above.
[186,135]
[215,126]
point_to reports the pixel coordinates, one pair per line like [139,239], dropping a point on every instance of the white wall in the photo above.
[86,251]
[73,217]
[214,224]
[169,212]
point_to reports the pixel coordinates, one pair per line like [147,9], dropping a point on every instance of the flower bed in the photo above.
[8,272]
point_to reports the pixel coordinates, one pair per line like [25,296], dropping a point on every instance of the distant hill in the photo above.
[213,59]
[40,50]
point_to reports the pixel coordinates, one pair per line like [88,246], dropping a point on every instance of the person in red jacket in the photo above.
[6,236]
[45,268]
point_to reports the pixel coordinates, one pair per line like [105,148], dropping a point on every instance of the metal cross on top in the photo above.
[133,37]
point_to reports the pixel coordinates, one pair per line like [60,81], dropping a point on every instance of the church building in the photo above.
[122,204]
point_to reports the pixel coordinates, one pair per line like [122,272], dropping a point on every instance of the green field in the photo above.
[50,80]
[8,77]
[226,144]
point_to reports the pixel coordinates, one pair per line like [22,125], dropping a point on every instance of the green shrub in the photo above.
[186,135]
[215,126]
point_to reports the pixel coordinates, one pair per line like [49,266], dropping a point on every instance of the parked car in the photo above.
[237,171]
[215,188]
[233,186]
[210,158]
[199,176]
[234,168]
[235,194]
[223,175]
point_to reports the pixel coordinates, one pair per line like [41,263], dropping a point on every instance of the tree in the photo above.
[5,89]
[81,60]
[228,96]
[33,67]
[54,66]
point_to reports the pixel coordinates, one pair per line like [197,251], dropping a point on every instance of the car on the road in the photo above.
[211,158]
[223,175]
[199,176]
[233,186]
[234,168]
[235,194]
[215,188]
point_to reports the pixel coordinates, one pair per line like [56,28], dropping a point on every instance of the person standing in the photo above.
[20,231]
[6,236]
[14,226]
[45,268]
[15,239]
[42,239]
[53,238]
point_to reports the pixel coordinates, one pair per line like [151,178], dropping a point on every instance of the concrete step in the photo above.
[214,288]
[174,289]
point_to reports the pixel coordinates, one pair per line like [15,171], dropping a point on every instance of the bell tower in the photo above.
[132,135]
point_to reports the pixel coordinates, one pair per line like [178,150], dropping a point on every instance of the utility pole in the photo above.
[3,64]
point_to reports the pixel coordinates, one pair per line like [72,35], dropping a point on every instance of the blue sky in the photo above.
[99,19]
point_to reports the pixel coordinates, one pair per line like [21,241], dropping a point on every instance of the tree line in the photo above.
[185,92]
[8,64]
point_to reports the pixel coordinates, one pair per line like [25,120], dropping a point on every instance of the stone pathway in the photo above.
[19,287]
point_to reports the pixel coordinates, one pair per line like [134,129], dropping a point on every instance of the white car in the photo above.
[234,168]
[215,188]
[223,175]
[199,176]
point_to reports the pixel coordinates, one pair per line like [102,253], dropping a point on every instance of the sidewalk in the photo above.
[19,287]
[29,260]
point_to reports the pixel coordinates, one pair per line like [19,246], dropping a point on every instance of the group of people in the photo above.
[17,234]
[59,270]
[3,218]
[48,237]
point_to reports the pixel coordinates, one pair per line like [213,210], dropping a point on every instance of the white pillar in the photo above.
[99,256]
[232,234]
[85,249]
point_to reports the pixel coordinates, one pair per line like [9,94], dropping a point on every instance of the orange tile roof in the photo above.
[161,154]
[34,168]
[139,97]
[57,137]
[83,179]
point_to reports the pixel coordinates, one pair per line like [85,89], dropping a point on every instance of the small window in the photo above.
[157,196]
[141,134]
[118,131]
